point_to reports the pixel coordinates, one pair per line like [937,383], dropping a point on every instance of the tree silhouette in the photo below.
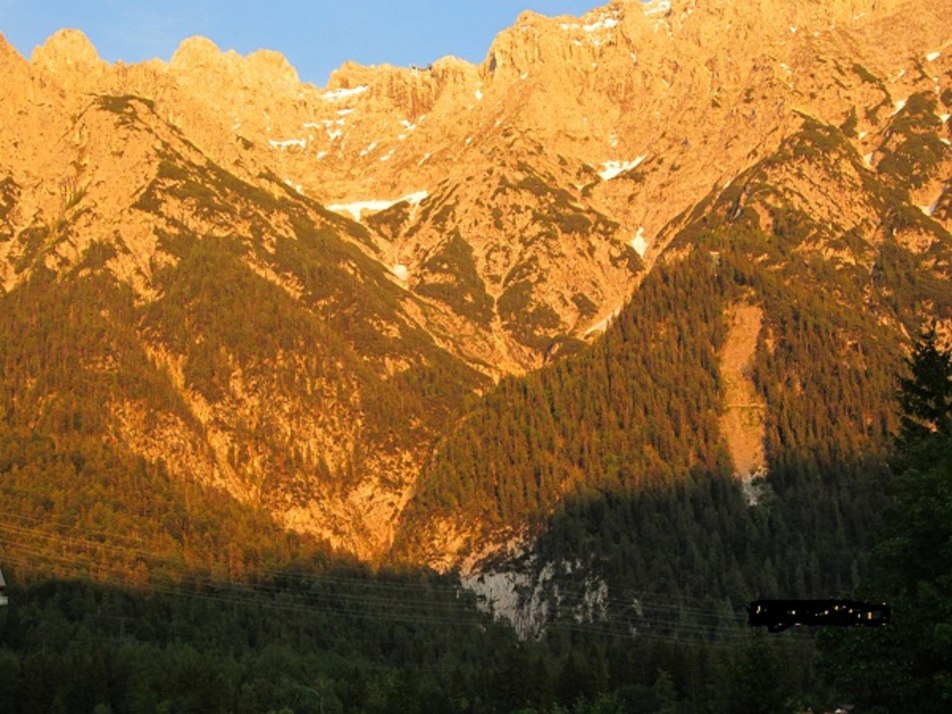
[926,395]
[906,666]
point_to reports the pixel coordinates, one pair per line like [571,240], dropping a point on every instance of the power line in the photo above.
[618,629]
[578,595]
[434,612]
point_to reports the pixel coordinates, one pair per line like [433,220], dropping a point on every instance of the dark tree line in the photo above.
[907,666]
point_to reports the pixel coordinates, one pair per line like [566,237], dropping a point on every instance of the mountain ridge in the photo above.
[421,233]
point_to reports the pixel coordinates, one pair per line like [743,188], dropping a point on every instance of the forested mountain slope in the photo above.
[618,460]
[238,335]
[298,296]
[607,329]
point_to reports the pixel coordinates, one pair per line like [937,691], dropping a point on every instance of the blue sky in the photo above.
[315,35]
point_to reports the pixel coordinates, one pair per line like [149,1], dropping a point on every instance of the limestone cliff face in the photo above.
[647,105]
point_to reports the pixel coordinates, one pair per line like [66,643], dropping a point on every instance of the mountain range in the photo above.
[484,318]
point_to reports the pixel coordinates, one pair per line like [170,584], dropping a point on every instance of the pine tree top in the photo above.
[926,395]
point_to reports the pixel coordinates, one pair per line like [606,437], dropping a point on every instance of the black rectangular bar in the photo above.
[778,615]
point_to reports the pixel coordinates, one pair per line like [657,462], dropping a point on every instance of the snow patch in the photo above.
[933,56]
[613,168]
[356,208]
[899,105]
[386,157]
[861,135]
[639,243]
[335,95]
[868,159]
[602,324]
[944,117]
[321,155]
[287,143]
[344,112]
[656,8]
[793,29]
[930,209]
[327,125]
[604,23]
[478,94]
[400,271]
[421,161]
[415,198]
[295,186]
[370,147]
[407,124]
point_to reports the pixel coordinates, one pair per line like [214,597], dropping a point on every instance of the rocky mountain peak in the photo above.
[67,49]
[349,74]
[8,52]
[411,92]
[446,70]
[15,72]
[271,65]
[11,61]
[195,53]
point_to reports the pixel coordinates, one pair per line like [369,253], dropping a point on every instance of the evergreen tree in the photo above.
[907,666]
[926,395]
[755,679]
